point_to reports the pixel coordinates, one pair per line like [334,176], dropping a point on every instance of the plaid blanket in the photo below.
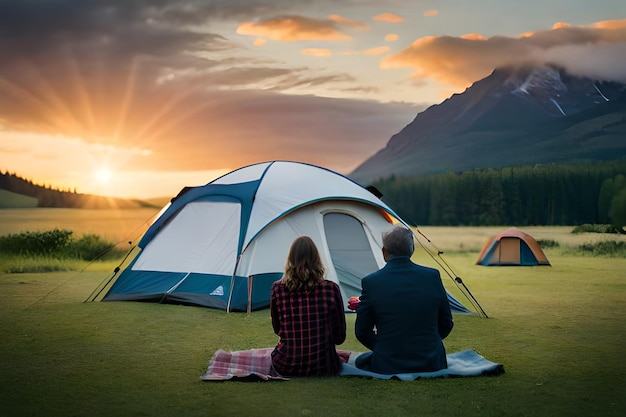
[244,364]
[256,365]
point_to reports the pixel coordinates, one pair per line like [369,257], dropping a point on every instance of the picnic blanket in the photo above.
[256,365]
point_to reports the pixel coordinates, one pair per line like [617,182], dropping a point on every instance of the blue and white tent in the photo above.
[222,245]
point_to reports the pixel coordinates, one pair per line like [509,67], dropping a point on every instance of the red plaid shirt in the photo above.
[309,326]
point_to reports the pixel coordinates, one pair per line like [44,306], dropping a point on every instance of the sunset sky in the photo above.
[135,98]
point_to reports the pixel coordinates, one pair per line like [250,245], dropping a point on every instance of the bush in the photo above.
[56,244]
[548,243]
[87,248]
[597,228]
[608,248]
[36,243]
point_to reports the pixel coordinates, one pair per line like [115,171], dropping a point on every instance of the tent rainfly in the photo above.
[222,245]
[512,247]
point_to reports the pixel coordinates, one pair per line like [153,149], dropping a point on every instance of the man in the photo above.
[404,314]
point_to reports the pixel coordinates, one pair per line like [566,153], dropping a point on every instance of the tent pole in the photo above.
[232,283]
[250,279]
[168,292]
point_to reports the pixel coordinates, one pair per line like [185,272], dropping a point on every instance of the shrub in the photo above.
[87,247]
[597,228]
[607,248]
[56,244]
[548,243]
[36,243]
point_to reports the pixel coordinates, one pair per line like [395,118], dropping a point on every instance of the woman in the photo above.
[307,315]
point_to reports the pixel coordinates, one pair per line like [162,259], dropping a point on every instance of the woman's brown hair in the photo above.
[304,269]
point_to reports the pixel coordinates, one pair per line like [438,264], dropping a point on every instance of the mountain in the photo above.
[515,116]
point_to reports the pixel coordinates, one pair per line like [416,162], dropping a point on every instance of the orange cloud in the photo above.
[377,50]
[294,28]
[473,37]
[597,50]
[392,37]
[431,13]
[350,23]
[388,17]
[259,42]
[560,25]
[610,24]
[322,52]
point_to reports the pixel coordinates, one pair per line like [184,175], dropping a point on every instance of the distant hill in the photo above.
[514,117]
[13,200]
[17,192]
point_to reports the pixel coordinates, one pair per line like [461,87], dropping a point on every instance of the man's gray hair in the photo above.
[399,242]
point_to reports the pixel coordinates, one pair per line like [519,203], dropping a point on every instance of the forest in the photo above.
[548,195]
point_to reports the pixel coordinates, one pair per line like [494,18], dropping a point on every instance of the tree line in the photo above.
[556,194]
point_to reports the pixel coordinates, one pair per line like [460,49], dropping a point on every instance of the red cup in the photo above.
[353,303]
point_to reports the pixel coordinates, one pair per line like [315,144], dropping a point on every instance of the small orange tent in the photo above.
[512,247]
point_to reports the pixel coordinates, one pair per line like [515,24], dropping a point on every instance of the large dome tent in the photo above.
[223,244]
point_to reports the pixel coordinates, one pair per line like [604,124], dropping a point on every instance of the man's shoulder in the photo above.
[424,267]
[381,275]
[406,265]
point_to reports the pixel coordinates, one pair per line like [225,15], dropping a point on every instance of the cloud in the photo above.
[379,50]
[391,37]
[320,52]
[388,17]
[473,37]
[597,50]
[240,128]
[431,13]
[295,28]
[349,23]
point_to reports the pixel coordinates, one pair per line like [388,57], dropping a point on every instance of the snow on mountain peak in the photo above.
[540,81]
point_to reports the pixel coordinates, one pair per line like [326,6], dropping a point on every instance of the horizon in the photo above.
[138,100]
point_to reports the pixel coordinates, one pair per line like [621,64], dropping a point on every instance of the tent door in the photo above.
[350,251]
[509,251]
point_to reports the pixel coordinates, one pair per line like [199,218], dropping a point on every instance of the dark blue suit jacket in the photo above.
[403,317]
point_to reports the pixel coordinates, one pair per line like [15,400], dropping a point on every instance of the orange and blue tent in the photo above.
[512,247]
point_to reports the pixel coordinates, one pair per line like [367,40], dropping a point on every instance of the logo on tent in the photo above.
[218,291]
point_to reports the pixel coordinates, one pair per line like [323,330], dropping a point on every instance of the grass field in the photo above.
[557,330]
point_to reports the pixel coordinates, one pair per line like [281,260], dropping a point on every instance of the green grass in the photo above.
[558,331]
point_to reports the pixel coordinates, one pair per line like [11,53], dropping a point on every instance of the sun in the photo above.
[103,175]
